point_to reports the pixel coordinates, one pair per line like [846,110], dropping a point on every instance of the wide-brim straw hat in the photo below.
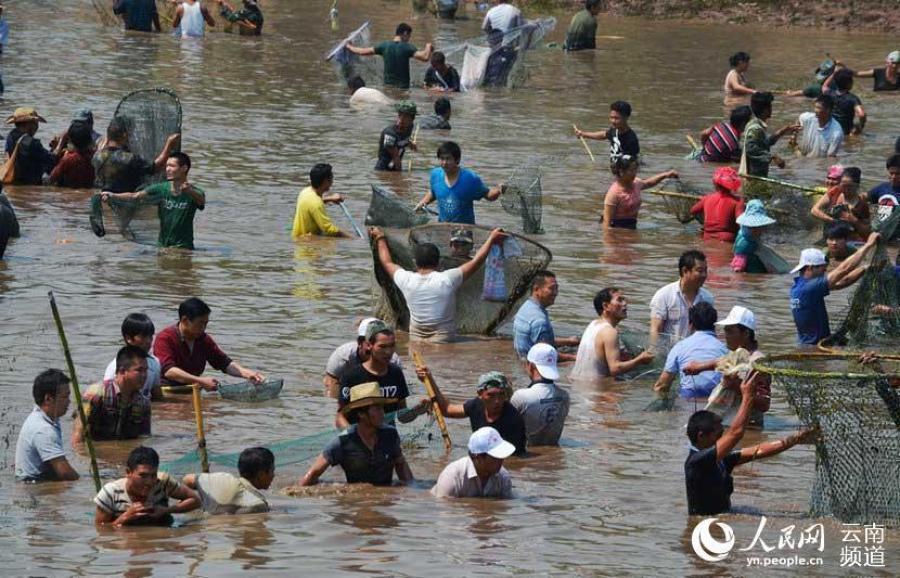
[755,215]
[364,395]
[24,114]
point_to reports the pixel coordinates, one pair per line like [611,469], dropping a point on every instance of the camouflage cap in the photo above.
[406,107]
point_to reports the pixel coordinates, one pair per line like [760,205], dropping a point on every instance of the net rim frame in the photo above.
[760,365]
[162,89]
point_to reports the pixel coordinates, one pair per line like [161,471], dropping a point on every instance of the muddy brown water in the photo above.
[257,114]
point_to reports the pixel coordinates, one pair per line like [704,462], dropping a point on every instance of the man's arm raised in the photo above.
[850,271]
[384,252]
[469,267]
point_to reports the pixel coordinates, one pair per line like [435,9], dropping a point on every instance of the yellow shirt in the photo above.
[310,217]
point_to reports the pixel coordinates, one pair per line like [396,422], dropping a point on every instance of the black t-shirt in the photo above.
[625,143]
[393,383]
[510,426]
[362,465]
[391,137]
[449,80]
[709,483]
[845,110]
[434,122]
[881,81]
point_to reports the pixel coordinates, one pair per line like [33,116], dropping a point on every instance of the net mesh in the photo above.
[151,116]
[136,221]
[787,202]
[856,409]
[522,196]
[386,209]
[249,392]
[679,200]
[500,61]
[348,65]
[474,314]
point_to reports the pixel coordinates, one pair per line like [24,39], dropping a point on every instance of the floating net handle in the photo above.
[761,365]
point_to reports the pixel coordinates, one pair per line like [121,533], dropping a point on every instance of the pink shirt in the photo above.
[627,202]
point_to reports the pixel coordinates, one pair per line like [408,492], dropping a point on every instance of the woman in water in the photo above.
[736,86]
[623,199]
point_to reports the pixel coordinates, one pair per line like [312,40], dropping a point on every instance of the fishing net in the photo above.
[500,61]
[522,195]
[348,65]
[523,258]
[872,317]
[787,202]
[151,116]
[137,221]
[856,409]
[678,201]
[388,210]
[247,391]
[419,434]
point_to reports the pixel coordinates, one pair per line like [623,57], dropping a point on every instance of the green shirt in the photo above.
[582,32]
[176,215]
[396,57]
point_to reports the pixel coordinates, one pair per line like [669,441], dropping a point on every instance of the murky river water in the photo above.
[257,114]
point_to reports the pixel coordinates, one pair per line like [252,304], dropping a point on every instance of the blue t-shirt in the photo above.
[455,204]
[40,441]
[699,346]
[531,325]
[808,307]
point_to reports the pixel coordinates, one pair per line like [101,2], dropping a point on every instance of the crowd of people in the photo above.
[365,375]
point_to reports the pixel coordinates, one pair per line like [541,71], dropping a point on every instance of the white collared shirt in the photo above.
[819,141]
[460,480]
[670,305]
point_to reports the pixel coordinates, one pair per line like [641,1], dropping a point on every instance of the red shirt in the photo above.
[720,212]
[172,351]
[73,170]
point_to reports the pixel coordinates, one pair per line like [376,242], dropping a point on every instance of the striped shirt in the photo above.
[114,499]
[723,144]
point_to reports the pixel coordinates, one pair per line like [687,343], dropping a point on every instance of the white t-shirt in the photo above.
[346,353]
[460,480]
[819,141]
[431,300]
[366,96]
[224,493]
[544,407]
[669,305]
[503,17]
[154,374]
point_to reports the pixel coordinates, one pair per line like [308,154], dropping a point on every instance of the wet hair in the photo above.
[825,100]
[48,382]
[116,129]
[255,461]
[855,174]
[442,106]
[737,58]
[192,308]
[182,158]
[137,324]
[702,421]
[603,297]
[622,164]
[703,316]
[689,259]
[893,161]
[449,148]
[591,4]
[438,57]
[838,230]
[403,28]
[843,79]
[427,256]
[760,102]
[80,135]
[355,83]
[385,331]
[142,456]
[541,278]
[621,107]
[740,116]
[128,356]
[319,174]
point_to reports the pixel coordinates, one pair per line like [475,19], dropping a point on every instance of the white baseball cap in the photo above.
[487,440]
[810,258]
[544,356]
[364,325]
[739,316]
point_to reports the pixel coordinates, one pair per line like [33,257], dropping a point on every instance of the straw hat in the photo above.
[727,178]
[24,114]
[755,215]
[364,395]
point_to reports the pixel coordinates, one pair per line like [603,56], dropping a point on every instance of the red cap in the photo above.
[727,178]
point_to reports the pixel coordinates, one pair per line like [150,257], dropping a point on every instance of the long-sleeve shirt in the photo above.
[310,217]
[253,15]
[757,145]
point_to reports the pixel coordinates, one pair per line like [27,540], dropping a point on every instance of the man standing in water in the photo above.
[139,15]
[396,54]
[502,18]
[481,473]
[622,139]
[820,135]
[190,16]
[177,199]
[583,28]
[532,323]
[456,189]
[543,405]
[431,294]
[185,348]
[39,450]
[396,138]
[757,143]
[249,18]
[310,217]
[118,169]
[669,306]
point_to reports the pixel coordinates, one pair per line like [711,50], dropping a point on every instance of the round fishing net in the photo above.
[151,116]
[348,65]
[522,196]
[856,409]
[388,210]
[679,200]
[787,202]
[137,221]
[509,277]
[249,392]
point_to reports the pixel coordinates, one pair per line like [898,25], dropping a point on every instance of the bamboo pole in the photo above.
[352,221]
[692,142]
[808,190]
[76,392]
[429,388]
[586,147]
[201,437]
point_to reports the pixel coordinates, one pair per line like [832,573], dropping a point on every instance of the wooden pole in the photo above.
[414,139]
[809,191]
[586,147]
[76,393]
[429,388]
[201,437]
[692,142]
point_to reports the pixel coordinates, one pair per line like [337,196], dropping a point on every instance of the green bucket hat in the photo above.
[406,107]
